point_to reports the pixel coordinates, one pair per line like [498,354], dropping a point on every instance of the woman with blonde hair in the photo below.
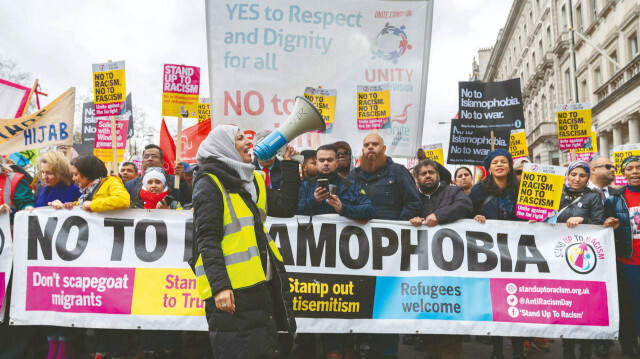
[55,173]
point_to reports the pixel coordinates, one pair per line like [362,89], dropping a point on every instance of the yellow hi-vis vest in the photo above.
[239,245]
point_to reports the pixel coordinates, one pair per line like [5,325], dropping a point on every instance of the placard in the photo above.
[518,145]
[498,104]
[619,154]
[180,89]
[540,191]
[434,152]
[374,107]
[574,125]
[204,109]
[108,88]
[102,146]
[470,141]
[325,101]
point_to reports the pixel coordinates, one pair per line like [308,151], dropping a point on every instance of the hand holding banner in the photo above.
[540,191]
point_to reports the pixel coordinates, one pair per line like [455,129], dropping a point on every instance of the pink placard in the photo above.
[80,289]
[533,213]
[548,301]
[103,133]
[570,143]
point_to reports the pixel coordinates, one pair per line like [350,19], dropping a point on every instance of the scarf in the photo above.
[88,190]
[572,166]
[221,145]
[151,199]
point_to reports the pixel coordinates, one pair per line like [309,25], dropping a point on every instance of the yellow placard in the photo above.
[622,153]
[434,152]
[325,101]
[204,111]
[106,154]
[518,144]
[166,291]
[591,147]
[541,188]
[374,107]
[180,91]
[574,124]
[108,86]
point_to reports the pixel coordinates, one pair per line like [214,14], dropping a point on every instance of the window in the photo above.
[526,73]
[564,17]
[579,18]
[538,6]
[597,76]
[567,85]
[524,30]
[612,67]
[531,19]
[594,8]
[520,40]
[533,59]
[549,37]
[555,159]
[584,91]
[633,46]
[540,50]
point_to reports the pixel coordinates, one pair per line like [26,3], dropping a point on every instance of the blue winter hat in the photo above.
[495,153]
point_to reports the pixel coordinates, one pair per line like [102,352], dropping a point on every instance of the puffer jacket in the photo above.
[616,206]
[110,196]
[589,207]
[355,203]
[392,191]
[448,203]
[261,310]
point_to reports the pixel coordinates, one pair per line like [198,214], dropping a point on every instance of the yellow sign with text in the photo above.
[325,101]
[434,152]
[374,107]
[204,110]
[622,152]
[518,144]
[166,291]
[108,86]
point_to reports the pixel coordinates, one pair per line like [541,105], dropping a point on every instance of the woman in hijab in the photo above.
[239,270]
[579,205]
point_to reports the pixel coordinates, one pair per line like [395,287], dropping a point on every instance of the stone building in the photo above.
[535,45]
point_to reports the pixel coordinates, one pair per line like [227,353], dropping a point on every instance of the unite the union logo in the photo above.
[391,43]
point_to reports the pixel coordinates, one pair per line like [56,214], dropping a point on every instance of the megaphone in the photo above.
[304,118]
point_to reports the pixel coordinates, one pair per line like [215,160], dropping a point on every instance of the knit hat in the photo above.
[495,153]
[154,173]
[629,160]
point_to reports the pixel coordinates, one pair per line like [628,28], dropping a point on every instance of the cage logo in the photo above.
[581,257]
[391,43]
[534,168]
[102,67]
[313,91]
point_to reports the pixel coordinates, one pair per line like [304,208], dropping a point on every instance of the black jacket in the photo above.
[616,206]
[275,173]
[392,190]
[182,195]
[251,331]
[589,207]
[448,203]
[355,203]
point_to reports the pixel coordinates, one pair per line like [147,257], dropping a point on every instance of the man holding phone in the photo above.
[330,193]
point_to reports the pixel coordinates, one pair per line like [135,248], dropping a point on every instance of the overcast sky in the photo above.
[57,41]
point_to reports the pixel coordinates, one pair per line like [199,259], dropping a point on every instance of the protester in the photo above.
[518,167]
[128,171]
[155,193]
[309,167]
[350,200]
[152,156]
[245,304]
[495,198]
[271,167]
[463,178]
[394,195]
[420,155]
[622,213]
[441,204]
[344,158]
[579,205]
[55,172]
[14,340]
[188,173]
[603,172]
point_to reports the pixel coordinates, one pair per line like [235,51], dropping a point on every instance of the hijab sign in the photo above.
[108,89]
[574,125]
[180,91]
[540,191]
[434,152]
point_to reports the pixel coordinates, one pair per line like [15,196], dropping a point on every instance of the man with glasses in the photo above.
[344,158]
[602,174]
[518,165]
[152,156]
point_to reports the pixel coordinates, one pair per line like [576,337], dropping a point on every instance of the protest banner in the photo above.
[13,99]
[502,277]
[325,101]
[49,126]
[109,88]
[619,154]
[434,152]
[498,104]
[89,126]
[518,144]
[263,55]
[540,191]
[373,107]
[6,257]
[204,109]
[103,141]
[574,125]
[470,141]
[180,90]
[586,152]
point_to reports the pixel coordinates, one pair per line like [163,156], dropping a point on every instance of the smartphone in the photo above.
[168,200]
[324,183]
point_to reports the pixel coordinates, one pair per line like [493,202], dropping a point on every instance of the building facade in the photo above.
[535,45]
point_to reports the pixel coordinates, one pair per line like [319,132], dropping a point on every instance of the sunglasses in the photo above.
[518,172]
[607,166]
[343,153]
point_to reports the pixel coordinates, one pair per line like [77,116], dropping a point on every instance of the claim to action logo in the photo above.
[391,43]
[581,257]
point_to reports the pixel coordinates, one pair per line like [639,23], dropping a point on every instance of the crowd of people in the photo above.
[239,269]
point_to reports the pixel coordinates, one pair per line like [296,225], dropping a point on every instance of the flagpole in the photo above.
[179,146]
[26,105]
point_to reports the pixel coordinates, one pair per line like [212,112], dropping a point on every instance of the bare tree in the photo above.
[9,71]
[142,134]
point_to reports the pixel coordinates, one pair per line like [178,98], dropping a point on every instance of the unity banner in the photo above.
[6,257]
[49,126]
[13,99]
[263,55]
[125,270]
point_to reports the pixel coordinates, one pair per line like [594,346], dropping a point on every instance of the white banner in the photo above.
[6,257]
[13,99]
[125,270]
[262,55]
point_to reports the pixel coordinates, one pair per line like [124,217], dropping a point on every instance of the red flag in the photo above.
[168,148]
[192,137]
